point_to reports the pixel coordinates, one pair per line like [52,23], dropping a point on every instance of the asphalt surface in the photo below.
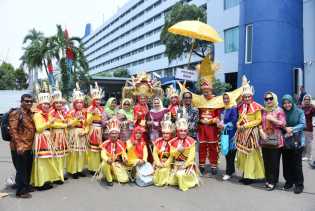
[213,194]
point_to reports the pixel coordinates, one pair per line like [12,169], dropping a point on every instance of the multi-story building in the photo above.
[131,39]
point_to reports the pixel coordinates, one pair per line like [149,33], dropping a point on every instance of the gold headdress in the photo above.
[57,95]
[247,89]
[166,124]
[113,125]
[77,94]
[142,84]
[43,95]
[207,70]
[171,92]
[181,122]
[96,92]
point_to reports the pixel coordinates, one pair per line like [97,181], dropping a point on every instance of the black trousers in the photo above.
[23,165]
[292,166]
[230,158]
[271,158]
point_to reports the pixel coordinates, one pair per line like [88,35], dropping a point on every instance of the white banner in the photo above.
[184,74]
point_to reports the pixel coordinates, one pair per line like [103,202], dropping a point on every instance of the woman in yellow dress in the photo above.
[249,158]
[161,153]
[78,131]
[44,170]
[183,152]
[114,156]
[95,115]
[59,134]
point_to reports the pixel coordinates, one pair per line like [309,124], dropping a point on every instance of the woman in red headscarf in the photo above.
[140,112]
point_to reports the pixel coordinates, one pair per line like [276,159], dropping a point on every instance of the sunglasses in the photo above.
[126,104]
[28,101]
[268,98]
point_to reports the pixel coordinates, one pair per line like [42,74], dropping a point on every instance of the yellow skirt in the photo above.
[161,176]
[115,172]
[76,162]
[251,164]
[93,160]
[184,178]
[44,170]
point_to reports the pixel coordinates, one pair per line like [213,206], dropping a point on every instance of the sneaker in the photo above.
[298,189]
[271,187]
[202,171]
[24,195]
[305,159]
[287,186]
[226,177]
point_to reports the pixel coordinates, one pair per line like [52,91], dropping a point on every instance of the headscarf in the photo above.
[161,105]
[275,103]
[108,110]
[128,114]
[138,144]
[252,107]
[231,104]
[292,116]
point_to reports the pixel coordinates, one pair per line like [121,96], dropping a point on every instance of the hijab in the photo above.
[275,103]
[128,114]
[292,116]
[108,110]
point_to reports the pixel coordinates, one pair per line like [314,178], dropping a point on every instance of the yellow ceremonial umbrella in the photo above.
[196,30]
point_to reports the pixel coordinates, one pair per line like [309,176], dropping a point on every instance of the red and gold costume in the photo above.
[174,101]
[115,151]
[140,113]
[44,168]
[183,153]
[162,155]
[136,148]
[78,131]
[95,115]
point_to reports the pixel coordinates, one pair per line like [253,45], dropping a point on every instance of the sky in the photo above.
[17,17]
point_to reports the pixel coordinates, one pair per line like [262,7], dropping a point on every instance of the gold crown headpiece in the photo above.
[77,94]
[171,92]
[57,95]
[207,70]
[113,125]
[181,122]
[96,92]
[42,92]
[167,124]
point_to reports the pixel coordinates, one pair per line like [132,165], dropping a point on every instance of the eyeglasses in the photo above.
[268,99]
[307,99]
[187,97]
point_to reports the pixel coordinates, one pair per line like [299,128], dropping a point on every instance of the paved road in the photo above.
[213,194]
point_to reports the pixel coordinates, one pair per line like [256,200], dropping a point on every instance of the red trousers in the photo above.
[212,151]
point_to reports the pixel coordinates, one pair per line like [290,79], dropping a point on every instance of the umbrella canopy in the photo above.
[196,30]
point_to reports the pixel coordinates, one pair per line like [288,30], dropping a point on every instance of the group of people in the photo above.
[117,143]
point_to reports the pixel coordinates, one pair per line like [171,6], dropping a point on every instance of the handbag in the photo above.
[270,140]
[144,175]
[293,142]
[224,142]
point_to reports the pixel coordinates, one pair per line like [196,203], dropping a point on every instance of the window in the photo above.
[249,44]
[231,39]
[230,3]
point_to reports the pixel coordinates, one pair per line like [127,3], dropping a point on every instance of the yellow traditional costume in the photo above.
[249,158]
[161,154]
[115,152]
[183,152]
[136,149]
[59,134]
[94,120]
[78,131]
[44,169]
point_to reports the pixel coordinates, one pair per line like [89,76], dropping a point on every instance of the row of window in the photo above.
[135,63]
[131,53]
[126,44]
[127,22]
[141,25]
[230,3]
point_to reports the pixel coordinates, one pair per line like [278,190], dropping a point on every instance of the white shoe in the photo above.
[226,177]
[305,159]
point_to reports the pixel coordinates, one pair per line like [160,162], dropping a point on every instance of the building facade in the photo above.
[131,39]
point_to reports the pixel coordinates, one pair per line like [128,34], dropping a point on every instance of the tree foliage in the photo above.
[177,46]
[12,78]
[121,73]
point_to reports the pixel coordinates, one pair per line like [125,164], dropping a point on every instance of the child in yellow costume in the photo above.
[44,170]
[183,152]
[137,151]
[114,155]
[161,153]
[78,131]
[95,114]
[59,134]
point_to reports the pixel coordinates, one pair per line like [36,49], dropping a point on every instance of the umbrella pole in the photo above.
[190,54]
